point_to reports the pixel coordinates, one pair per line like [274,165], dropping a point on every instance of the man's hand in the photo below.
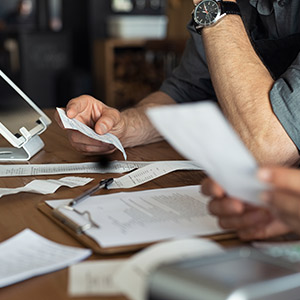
[131,126]
[98,116]
[248,221]
[284,198]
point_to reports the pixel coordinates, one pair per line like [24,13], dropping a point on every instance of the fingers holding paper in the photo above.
[284,198]
[88,146]
[98,116]
[95,114]
[248,221]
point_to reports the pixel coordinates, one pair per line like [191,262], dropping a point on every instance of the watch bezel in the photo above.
[214,21]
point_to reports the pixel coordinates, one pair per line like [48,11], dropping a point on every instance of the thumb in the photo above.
[109,119]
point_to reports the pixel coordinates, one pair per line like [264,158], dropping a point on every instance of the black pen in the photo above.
[103,184]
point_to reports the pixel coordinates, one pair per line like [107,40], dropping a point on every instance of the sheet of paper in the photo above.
[76,125]
[94,278]
[146,216]
[28,254]
[70,168]
[48,186]
[150,172]
[205,136]
[129,277]
[133,275]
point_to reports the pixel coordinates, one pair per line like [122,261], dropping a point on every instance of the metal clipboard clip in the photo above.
[79,229]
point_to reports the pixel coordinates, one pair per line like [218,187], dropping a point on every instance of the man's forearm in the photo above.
[139,129]
[242,84]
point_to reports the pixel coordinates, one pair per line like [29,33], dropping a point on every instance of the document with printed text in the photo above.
[150,172]
[205,136]
[94,278]
[69,168]
[28,254]
[147,216]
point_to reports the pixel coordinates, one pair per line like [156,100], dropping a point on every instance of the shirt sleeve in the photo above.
[190,81]
[285,101]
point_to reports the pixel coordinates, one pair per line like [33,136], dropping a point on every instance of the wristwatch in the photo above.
[209,12]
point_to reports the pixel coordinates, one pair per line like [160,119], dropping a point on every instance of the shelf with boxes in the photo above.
[126,70]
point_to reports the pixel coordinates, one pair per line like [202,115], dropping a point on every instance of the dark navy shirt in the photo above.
[190,81]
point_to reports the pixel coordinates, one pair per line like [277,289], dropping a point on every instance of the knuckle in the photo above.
[88,148]
[72,136]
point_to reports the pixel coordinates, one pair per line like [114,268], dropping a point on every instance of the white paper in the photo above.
[133,275]
[147,216]
[130,277]
[201,133]
[81,168]
[76,125]
[48,186]
[69,168]
[28,254]
[150,172]
[94,278]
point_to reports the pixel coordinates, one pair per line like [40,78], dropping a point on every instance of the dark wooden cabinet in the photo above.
[125,71]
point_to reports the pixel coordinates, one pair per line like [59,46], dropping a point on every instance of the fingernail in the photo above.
[103,128]
[265,175]
[70,114]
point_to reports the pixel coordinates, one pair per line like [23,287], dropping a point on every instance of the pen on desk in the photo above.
[103,184]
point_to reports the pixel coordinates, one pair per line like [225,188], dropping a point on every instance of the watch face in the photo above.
[206,13]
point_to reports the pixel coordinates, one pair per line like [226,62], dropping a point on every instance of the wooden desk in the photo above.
[19,211]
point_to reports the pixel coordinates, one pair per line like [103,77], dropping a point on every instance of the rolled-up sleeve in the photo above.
[285,101]
[190,81]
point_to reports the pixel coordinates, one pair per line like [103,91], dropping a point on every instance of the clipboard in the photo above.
[70,227]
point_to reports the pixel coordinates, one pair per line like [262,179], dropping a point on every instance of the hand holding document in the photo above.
[76,125]
[28,254]
[48,186]
[201,133]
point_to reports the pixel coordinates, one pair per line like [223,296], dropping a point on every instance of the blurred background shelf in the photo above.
[58,49]
[125,71]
